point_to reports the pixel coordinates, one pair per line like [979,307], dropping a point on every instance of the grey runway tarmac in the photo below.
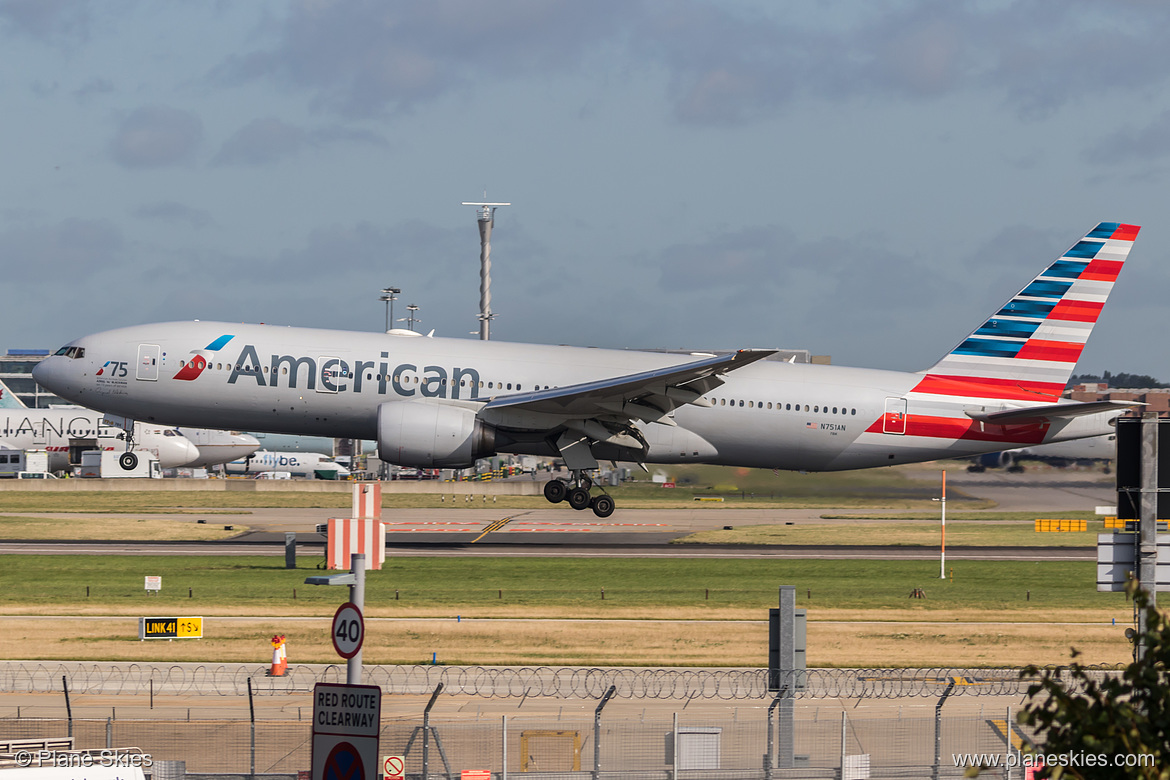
[486,530]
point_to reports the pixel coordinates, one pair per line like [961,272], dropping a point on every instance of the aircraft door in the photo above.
[894,420]
[334,372]
[148,355]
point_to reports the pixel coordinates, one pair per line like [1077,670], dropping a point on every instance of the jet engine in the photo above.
[432,435]
[994,460]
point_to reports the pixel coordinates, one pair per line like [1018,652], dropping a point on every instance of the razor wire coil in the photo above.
[518,682]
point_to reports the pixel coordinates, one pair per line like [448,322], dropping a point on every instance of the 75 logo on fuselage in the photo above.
[116,368]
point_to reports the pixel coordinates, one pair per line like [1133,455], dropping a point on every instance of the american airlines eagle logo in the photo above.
[194,367]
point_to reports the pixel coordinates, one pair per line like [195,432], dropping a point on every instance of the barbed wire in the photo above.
[516,682]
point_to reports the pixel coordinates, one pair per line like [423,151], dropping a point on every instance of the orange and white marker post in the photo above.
[363,533]
[279,657]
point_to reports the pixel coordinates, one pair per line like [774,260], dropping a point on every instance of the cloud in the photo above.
[724,63]
[60,21]
[1133,143]
[261,142]
[269,140]
[369,58]
[174,212]
[156,136]
[71,249]
[95,86]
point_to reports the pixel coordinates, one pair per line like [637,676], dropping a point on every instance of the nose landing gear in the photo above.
[576,491]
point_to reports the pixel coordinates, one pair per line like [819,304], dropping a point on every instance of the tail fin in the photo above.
[1028,349]
[8,400]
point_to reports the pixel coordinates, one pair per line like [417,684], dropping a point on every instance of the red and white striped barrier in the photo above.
[367,500]
[348,535]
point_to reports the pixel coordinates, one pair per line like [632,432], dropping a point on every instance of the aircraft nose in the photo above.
[176,451]
[48,373]
[246,440]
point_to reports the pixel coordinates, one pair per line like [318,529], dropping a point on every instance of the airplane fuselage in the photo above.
[59,429]
[331,383]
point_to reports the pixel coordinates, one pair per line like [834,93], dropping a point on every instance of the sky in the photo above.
[866,180]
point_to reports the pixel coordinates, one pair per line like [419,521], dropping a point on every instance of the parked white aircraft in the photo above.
[216,447]
[66,431]
[306,465]
[435,402]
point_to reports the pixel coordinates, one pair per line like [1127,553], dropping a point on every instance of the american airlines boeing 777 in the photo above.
[439,402]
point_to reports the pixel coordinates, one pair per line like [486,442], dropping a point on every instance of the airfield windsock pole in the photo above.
[487,213]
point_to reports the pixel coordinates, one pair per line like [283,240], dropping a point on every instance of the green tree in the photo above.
[1097,720]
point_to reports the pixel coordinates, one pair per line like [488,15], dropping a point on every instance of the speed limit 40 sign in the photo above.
[349,630]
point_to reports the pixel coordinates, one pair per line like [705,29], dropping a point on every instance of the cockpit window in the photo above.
[169,432]
[71,352]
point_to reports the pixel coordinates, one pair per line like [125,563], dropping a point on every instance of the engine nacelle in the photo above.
[996,460]
[432,435]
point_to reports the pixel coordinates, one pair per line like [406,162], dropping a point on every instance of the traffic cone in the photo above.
[279,657]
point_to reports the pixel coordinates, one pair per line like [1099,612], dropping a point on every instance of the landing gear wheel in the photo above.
[602,505]
[579,498]
[128,461]
[555,490]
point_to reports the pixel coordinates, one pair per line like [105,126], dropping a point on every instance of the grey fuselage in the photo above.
[316,382]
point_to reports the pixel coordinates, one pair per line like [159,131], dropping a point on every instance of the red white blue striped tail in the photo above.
[1028,349]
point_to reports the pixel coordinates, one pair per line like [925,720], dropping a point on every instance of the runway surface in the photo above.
[556,530]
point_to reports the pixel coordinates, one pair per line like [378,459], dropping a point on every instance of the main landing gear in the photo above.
[128,460]
[576,491]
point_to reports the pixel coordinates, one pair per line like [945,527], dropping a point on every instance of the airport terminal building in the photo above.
[16,373]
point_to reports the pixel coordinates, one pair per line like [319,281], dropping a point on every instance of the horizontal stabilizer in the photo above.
[1049,412]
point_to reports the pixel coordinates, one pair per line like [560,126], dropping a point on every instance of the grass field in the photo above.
[547,587]
[493,611]
[990,529]
[652,612]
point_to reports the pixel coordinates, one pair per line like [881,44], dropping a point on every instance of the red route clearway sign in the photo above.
[346,722]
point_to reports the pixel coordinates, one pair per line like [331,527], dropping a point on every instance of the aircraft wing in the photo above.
[1049,412]
[648,396]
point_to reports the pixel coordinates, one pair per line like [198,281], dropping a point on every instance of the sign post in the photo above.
[347,718]
[356,580]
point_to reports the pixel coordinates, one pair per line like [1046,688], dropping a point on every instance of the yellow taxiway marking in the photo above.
[503,521]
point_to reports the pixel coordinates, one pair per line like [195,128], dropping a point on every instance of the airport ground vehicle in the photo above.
[110,464]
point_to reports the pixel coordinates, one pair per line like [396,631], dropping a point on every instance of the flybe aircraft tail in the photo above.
[1028,349]
[8,400]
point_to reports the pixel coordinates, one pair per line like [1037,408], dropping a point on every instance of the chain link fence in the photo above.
[823,745]
[512,682]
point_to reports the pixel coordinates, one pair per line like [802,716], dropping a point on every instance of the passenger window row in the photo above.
[786,407]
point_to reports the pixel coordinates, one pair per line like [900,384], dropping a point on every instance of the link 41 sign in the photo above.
[170,628]
[346,723]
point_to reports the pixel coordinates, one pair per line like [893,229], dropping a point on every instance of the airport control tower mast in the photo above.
[487,213]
